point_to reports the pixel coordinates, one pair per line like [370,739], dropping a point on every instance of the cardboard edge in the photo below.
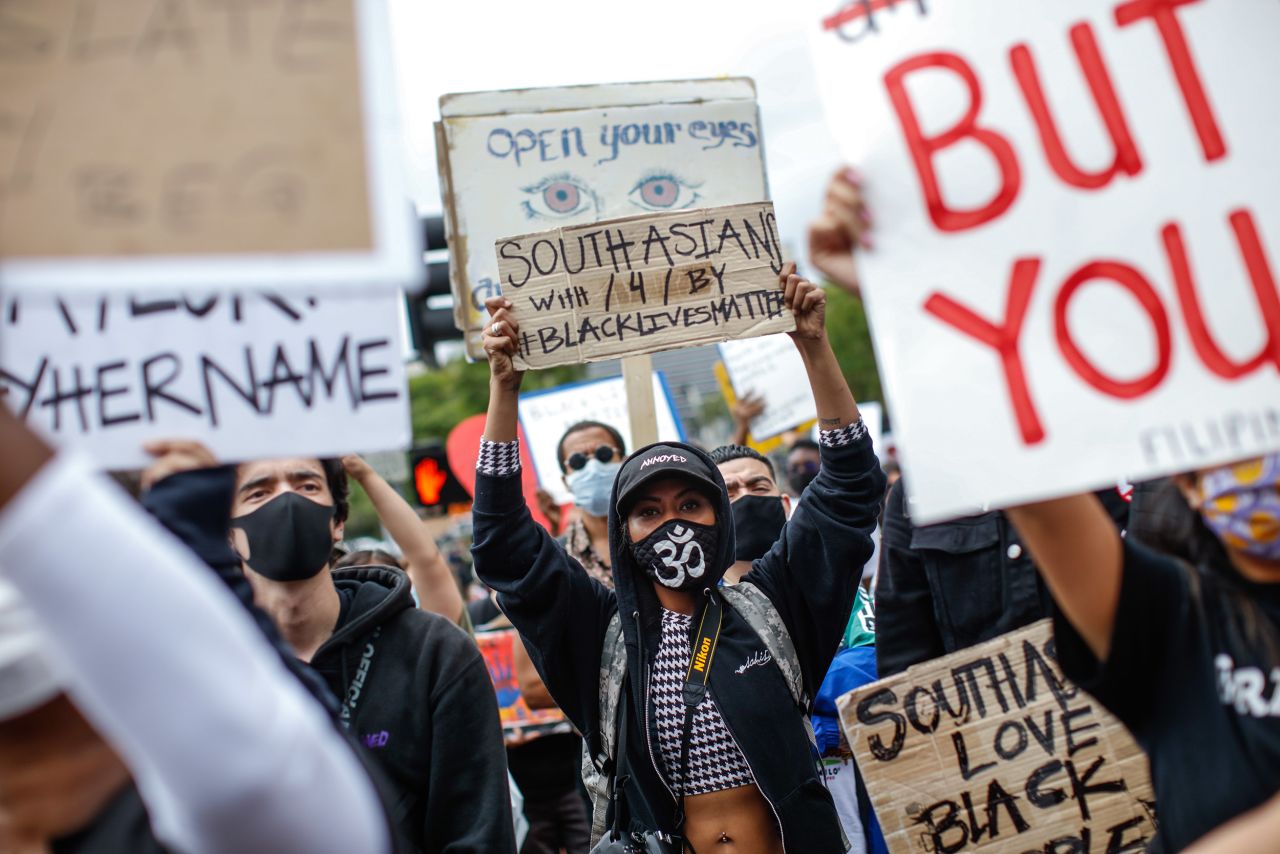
[594,96]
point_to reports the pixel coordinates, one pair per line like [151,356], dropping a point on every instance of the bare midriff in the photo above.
[731,821]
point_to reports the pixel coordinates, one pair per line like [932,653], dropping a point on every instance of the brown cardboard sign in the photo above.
[644,283]
[992,749]
[135,128]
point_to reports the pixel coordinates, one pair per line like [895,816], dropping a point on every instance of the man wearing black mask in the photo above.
[413,688]
[803,462]
[760,508]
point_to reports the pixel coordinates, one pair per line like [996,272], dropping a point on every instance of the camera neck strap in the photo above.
[696,680]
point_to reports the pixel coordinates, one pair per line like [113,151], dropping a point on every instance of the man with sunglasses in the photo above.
[590,454]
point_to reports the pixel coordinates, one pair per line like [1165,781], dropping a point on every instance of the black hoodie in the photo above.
[809,575]
[418,697]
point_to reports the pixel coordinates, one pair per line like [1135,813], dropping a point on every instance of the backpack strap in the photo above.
[597,771]
[756,608]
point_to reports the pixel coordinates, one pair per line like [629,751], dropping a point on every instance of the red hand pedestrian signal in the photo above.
[429,480]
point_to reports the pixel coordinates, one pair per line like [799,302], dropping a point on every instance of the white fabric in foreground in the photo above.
[27,677]
[228,750]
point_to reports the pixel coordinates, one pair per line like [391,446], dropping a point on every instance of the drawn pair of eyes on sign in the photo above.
[563,195]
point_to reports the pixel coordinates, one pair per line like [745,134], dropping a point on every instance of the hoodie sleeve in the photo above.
[812,570]
[468,795]
[560,611]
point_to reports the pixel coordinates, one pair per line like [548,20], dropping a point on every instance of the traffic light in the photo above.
[431,305]
[434,484]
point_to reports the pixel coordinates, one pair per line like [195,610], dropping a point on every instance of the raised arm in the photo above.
[560,611]
[1078,551]
[427,568]
[835,403]
[811,572]
[744,409]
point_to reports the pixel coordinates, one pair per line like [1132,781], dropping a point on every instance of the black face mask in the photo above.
[289,537]
[801,476]
[678,554]
[757,523]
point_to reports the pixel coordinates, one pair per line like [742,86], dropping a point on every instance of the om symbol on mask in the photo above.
[684,565]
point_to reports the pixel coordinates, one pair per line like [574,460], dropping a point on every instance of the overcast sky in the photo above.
[444,46]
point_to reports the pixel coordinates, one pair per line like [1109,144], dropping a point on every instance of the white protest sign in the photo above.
[545,415]
[1077,212]
[201,145]
[534,159]
[249,376]
[770,367]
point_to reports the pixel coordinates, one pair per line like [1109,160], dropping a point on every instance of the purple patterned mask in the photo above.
[1241,505]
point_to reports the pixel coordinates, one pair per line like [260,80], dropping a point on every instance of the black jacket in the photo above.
[416,693]
[809,575]
[948,586]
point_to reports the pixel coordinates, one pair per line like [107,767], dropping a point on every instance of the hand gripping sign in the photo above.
[1078,218]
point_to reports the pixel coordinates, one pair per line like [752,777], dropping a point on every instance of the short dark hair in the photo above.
[368,557]
[804,444]
[725,453]
[589,425]
[339,487]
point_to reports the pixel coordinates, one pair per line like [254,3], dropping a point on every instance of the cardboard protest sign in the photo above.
[1077,212]
[992,749]
[526,159]
[771,368]
[247,375]
[641,284]
[546,414]
[519,722]
[200,144]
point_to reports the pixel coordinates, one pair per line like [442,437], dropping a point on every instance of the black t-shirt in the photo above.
[1196,682]
[547,767]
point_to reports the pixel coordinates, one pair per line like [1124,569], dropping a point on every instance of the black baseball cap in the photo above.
[659,461]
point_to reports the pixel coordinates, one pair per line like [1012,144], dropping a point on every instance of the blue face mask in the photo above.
[592,485]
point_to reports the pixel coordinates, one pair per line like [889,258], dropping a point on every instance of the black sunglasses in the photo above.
[604,454]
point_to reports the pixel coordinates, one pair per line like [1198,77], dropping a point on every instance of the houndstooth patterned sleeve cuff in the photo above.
[846,435]
[498,459]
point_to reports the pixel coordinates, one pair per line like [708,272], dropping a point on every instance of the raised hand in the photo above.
[500,338]
[840,230]
[807,302]
[173,456]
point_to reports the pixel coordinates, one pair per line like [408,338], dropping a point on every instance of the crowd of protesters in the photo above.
[209,671]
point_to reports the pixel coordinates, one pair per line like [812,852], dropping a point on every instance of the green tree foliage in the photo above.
[851,341]
[442,398]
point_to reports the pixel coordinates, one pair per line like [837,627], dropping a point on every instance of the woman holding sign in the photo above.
[1184,649]
[701,734]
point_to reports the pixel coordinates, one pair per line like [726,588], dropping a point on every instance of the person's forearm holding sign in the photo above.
[1183,647]
[427,568]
